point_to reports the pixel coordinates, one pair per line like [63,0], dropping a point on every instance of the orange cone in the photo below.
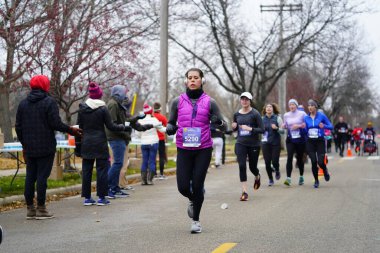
[320,172]
[349,152]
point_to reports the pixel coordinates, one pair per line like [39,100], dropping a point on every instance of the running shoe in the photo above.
[257,183]
[121,194]
[271,183]
[196,227]
[127,188]
[103,202]
[89,202]
[288,181]
[326,174]
[190,210]
[316,185]
[278,175]
[301,180]
[244,196]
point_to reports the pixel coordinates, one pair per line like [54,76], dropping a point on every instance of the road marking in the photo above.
[373,158]
[371,179]
[225,247]
[349,158]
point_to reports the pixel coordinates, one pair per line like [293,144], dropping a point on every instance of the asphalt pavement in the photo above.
[343,215]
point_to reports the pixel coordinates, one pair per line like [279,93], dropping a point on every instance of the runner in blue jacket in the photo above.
[316,122]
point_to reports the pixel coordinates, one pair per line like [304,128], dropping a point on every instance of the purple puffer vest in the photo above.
[201,119]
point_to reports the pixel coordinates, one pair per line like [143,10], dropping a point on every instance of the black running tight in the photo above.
[299,150]
[242,152]
[192,167]
[316,151]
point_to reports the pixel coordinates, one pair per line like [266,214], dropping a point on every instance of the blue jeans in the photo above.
[118,148]
[149,153]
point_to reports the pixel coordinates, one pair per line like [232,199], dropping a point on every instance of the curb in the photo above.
[71,188]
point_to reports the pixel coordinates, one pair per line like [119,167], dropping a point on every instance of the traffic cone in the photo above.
[349,152]
[320,172]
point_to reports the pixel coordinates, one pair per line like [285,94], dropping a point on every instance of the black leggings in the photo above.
[162,155]
[299,150]
[192,168]
[242,152]
[341,141]
[271,155]
[316,151]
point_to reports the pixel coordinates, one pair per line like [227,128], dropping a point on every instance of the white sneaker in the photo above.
[162,177]
[196,227]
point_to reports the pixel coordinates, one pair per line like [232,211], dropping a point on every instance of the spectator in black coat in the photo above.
[36,120]
[93,115]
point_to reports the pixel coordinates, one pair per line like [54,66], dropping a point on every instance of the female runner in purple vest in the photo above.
[190,116]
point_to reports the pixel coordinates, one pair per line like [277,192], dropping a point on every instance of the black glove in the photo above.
[147,127]
[134,119]
[75,131]
[215,120]
[128,129]
[170,129]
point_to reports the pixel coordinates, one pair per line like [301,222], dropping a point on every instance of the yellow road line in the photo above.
[225,247]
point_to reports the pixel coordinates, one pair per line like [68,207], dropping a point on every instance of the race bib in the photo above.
[295,134]
[244,132]
[265,137]
[313,133]
[192,137]
[342,130]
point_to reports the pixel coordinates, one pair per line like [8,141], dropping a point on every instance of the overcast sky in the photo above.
[369,22]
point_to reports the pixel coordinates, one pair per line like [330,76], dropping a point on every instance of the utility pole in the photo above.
[164,55]
[282,80]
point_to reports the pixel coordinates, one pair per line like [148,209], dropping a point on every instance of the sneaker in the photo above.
[190,210]
[89,202]
[326,174]
[127,188]
[111,194]
[278,175]
[257,183]
[316,185]
[103,202]
[162,177]
[121,194]
[30,212]
[42,213]
[288,181]
[244,196]
[301,180]
[271,183]
[196,227]
[1,234]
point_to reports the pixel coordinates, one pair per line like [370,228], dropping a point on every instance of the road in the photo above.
[343,215]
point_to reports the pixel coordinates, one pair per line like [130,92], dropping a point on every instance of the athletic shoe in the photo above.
[190,210]
[278,175]
[89,202]
[316,185]
[121,194]
[288,181]
[111,194]
[127,188]
[257,183]
[301,180]
[162,177]
[103,202]
[196,227]
[326,174]
[271,183]
[244,196]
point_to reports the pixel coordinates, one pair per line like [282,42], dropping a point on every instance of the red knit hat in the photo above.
[94,91]
[40,82]
[147,109]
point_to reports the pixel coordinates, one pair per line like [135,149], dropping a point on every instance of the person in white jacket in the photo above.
[149,145]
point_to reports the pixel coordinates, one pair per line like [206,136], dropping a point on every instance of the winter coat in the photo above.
[36,120]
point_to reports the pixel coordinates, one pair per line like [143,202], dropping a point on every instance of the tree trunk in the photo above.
[6,124]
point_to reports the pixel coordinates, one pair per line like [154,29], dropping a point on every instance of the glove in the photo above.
[147,127]
[128,129]
[76,131]
[215,120]
[157,125]
[170,129]
[141,115]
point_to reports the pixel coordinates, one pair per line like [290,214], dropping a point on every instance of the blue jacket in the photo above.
[314,124]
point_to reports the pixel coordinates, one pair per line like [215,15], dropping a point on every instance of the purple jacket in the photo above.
[197,116]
